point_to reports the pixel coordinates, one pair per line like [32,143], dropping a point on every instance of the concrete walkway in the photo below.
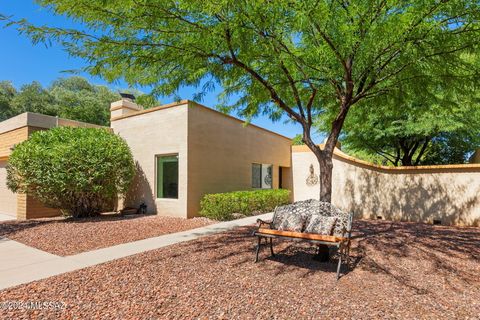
[21,264]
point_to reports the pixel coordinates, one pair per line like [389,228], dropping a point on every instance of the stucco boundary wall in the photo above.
[448,193]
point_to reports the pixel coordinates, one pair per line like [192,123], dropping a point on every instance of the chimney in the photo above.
[123,107]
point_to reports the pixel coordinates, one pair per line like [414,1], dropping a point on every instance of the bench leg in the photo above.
[348,252]
[339,265]
[271,247]
[323,254]
[258,249]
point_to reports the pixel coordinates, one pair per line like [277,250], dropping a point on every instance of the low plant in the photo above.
[223,206]
[81,171]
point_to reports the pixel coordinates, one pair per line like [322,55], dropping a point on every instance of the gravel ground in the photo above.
[66,237]
[400,271]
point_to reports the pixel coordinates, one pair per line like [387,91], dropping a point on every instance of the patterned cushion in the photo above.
[308,208]
[291,222]
[279,215]
[321,224]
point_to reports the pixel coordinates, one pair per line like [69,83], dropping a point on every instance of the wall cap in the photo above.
[31,119]
[343,156]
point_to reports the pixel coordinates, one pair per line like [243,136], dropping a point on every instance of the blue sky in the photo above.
[22,62]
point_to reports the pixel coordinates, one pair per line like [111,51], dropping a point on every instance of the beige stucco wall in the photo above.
[8,199]
[10,138]
[215,153]
[448,193]
[150,134]
[221,151]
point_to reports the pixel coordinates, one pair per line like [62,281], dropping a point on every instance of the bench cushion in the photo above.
[291,221]
[300,235]
[320,224]
[281,214]
[308,208]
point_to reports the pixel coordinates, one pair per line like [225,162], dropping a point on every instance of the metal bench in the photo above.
[340,239]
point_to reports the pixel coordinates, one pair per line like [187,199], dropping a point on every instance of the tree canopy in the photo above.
[71,98]
[434,122]
[304,59]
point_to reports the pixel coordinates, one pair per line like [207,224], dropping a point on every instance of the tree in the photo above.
[7,92]
[72,98]
[81,171]
[299,58]
[75,98]
[438,125]
[426,135]
[297,140]
[34,98]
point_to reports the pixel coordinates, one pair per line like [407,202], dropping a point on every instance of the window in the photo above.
[167,176]
[262,176]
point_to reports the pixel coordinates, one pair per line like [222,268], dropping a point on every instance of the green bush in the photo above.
[81,171]
[222,206]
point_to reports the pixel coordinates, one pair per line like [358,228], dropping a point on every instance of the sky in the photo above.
[21,62]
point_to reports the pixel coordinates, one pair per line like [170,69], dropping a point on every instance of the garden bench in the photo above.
[339,237]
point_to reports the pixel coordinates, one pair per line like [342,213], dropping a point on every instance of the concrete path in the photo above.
[21,264]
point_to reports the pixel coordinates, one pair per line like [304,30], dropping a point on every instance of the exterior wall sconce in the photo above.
[268,177]
[312,178]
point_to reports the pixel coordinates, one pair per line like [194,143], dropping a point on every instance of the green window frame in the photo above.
[167,176]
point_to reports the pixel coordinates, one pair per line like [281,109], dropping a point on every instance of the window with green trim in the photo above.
[167,176]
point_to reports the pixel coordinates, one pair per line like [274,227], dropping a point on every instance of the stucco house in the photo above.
[184,150]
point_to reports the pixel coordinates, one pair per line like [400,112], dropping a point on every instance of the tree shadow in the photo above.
[8,228]
[419,197]
[395,248]
[288,255]
[404,252]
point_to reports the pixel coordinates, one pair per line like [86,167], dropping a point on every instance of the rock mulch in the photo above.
[66,237]
[399,271]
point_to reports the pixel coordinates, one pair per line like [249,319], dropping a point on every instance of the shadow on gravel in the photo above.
[302,256]
[11,227]
[401,251]
[398,249]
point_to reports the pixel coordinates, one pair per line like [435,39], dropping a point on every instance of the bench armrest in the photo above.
[263,222]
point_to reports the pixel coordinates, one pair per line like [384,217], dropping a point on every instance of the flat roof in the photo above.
[38,120]
[192,103]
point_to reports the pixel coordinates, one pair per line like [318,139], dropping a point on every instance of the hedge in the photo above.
[222,206]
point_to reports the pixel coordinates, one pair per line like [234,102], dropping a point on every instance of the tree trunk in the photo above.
[326,168]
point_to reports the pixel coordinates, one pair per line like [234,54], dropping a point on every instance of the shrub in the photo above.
[221,206]
[81,171]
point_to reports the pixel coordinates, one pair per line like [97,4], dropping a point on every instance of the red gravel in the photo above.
[67,237]
[400,271]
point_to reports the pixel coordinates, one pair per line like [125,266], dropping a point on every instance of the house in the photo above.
[184,150]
